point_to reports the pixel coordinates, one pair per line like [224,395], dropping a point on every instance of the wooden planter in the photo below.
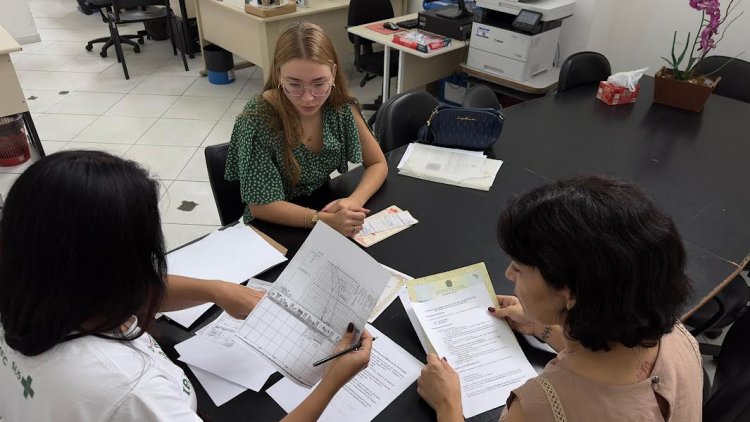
[690,96]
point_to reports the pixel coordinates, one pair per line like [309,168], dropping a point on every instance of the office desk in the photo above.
[415,69]
[694,165]
[253,38]
[12,100]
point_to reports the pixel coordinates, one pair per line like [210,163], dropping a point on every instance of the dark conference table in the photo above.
[693,164]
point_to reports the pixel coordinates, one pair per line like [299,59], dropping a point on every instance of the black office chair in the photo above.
[481,96]
[366,60]
[735,74]
[717,314]
[584,68]
[729,400]
[226,193]
[134,11]
[398,121]
[104,7]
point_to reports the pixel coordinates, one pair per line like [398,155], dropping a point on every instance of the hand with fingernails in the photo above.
[512,310]
[340,370]
[440,387]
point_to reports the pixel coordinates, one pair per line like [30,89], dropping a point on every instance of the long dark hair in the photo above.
[81,250]
[620,256]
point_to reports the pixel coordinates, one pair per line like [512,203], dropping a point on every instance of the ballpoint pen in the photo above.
[337,354]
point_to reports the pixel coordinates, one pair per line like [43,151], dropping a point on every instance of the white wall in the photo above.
[16,19]
[636,33]
[575,32]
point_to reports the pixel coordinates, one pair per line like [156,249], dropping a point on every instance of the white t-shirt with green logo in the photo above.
[94,379]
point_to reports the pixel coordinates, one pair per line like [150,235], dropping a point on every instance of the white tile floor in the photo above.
[163,117]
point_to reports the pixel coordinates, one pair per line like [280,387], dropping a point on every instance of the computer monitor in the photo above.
[451,13]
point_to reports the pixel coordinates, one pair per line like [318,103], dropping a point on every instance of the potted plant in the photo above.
[683,88]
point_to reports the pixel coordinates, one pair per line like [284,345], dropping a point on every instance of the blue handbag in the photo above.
[463,127]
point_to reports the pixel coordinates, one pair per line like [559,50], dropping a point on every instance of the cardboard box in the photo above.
[614,95]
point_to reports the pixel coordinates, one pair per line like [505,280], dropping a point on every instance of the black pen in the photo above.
[337,354]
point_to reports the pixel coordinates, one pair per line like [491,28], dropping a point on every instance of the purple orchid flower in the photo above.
[710,8]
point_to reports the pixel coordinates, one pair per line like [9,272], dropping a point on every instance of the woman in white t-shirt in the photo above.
[82,273]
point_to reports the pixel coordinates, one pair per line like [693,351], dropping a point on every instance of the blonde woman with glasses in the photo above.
[304,125]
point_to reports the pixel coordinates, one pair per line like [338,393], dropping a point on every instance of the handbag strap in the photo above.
[554,401]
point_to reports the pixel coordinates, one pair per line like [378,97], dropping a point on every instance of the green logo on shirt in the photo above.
[27,391]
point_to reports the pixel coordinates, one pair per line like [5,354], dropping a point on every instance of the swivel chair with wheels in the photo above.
[136,11]
[104,7]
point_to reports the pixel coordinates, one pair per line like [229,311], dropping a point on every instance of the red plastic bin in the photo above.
[14,146]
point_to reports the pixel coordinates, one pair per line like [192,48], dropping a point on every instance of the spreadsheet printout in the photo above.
[329,283]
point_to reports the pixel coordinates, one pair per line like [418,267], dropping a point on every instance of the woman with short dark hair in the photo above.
[82,273]
[599,274]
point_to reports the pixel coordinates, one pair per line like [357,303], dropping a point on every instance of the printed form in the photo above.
[391,370]
[329,283]
[452,310]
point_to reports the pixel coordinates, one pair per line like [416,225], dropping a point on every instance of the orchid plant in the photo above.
[711,20]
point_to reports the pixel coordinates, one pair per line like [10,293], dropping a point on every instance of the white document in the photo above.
[480,347]
[219,389]
[328,284]
[451,168]
[233,254]
[451,309]
[410,149]
[395,284]
[391,370]
[214,350]
[387,221]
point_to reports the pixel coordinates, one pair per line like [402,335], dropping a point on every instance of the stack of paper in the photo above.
[383,225]
[231,254]
[449,314]
[222,367]
[471,169]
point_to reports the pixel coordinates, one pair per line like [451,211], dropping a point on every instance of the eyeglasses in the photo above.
[297,89]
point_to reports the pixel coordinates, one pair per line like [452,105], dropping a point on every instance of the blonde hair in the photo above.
[305,41]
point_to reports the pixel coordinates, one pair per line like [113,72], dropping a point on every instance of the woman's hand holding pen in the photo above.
[343,368]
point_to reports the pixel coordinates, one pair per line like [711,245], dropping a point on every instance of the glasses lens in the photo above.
[320,89]
[294,89]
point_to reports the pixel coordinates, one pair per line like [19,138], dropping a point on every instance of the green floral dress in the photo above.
[257,161]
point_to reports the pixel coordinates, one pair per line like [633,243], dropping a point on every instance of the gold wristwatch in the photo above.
[314,219]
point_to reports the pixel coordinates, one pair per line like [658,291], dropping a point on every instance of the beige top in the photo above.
[673,392]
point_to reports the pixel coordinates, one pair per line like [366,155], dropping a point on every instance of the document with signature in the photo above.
[451,308]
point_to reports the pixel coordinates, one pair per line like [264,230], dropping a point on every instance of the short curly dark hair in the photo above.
[620,256]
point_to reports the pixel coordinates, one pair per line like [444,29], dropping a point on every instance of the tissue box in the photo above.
[614,95]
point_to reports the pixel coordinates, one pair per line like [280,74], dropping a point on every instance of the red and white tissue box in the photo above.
[614,95]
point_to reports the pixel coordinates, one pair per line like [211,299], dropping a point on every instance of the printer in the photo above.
[516,40]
